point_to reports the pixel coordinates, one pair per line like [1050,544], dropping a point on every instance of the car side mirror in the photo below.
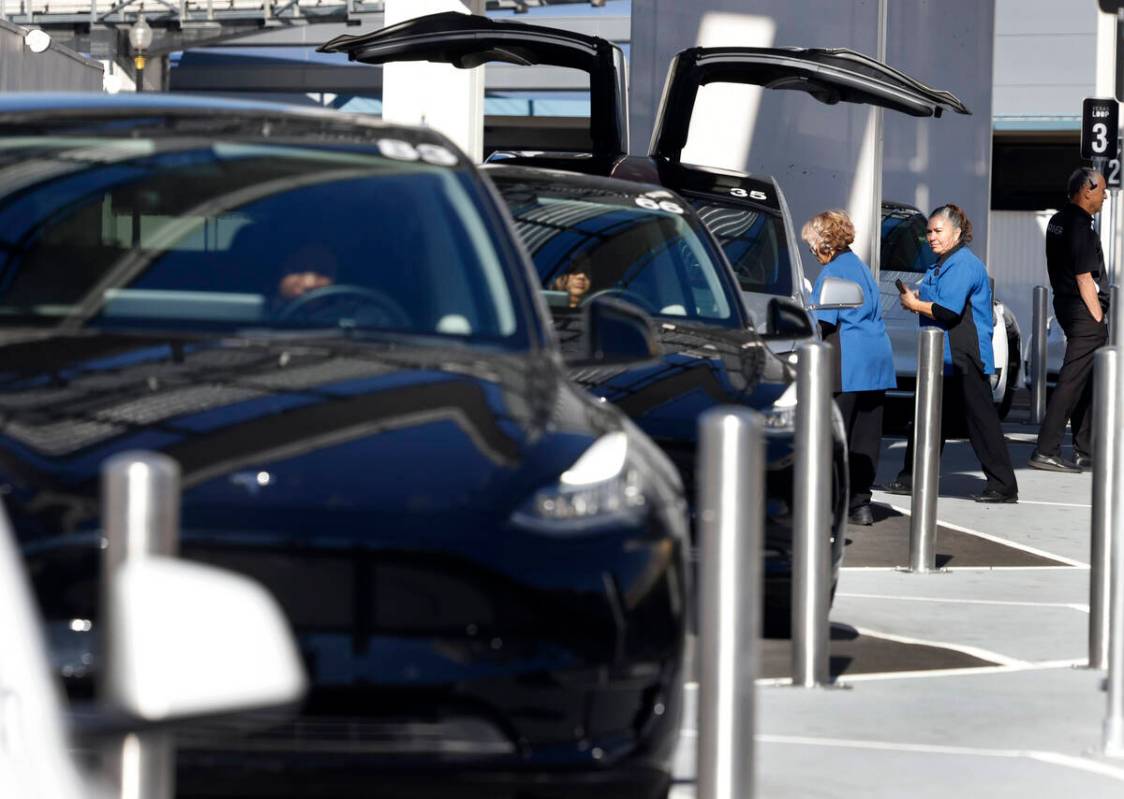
[837,294]
[787,319]
[615,333]
[191,640]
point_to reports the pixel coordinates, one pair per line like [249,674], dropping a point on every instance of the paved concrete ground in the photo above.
[962,683]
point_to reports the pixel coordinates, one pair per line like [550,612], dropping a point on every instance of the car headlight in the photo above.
[601,484]
[781,416]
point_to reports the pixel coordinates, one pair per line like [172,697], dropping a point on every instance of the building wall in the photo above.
[929,162]
[56,69]
[815,150]
[1045,57]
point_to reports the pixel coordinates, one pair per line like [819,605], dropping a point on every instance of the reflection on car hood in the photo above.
[702,366]
[282,426]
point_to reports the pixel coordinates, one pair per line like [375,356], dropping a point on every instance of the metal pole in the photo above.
[1038,357]
[140,517]
[1105,418]
[1115,316]
[731,489]
[811,518]
[1114,718]
[926,450]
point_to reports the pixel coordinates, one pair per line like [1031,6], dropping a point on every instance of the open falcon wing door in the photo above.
[467,40]
[831,76]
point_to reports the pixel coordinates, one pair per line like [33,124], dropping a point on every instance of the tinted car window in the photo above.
[184,234]
[588,243]
[754,243]
[904,247]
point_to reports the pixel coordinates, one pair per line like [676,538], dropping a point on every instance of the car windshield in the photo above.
[904,247]
[193,235]
[589,242]
[754,242]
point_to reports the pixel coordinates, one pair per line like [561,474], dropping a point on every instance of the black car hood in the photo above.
[282,427]
[703,366]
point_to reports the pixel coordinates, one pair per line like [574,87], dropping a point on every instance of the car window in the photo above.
[183,234]
[904,247]
[590,243]
[754,242]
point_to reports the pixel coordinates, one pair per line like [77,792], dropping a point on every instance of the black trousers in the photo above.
[862,418]
[967,398]
[1072,399]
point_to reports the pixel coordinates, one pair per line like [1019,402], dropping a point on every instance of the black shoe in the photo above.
[991,495]
[1051,463]
[862,515]
[898,486]
[1082,461]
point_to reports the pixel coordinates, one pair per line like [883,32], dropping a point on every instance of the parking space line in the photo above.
[1051,758]
[1004,541]
[971,568]
[1055,504]
[973,651]
[1070,605]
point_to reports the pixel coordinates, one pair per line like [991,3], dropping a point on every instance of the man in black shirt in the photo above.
[1076,263]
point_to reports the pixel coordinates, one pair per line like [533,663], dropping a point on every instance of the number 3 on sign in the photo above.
[1100,137]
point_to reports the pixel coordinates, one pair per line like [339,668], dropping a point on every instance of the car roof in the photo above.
[594,183]
[197,112]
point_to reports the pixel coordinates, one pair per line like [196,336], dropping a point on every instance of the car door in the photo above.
[830,75]
[468,40]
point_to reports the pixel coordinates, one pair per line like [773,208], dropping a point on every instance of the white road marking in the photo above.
[1055,504]
[972,651]
[1052,758]
[1004,541]
[1070,605]
[970,568]
[880,676]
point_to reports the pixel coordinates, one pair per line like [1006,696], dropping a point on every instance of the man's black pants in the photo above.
[1073,395]
[967,399]
[862,418]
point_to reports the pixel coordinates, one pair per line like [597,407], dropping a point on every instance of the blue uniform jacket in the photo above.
[866,357]
[960,284]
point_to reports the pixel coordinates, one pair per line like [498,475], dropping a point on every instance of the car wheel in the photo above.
[1004,406]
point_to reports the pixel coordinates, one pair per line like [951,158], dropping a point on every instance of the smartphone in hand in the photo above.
[901,286]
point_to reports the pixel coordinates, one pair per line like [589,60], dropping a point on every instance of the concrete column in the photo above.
[440,96]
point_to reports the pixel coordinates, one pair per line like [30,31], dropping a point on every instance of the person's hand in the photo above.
[298,283]
[908,298]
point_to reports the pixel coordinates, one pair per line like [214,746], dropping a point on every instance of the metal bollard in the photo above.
[140,517]
[811,518]
[1114,718]
[926,450]
[731,489]
[1038,356]
[1106,362]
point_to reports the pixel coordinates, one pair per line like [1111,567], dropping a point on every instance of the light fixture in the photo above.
[140,39]
[37,41]
[597,3]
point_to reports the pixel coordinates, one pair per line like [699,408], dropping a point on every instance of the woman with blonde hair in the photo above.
[864,356]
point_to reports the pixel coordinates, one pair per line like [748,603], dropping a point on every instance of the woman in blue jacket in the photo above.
[865,357]
[955,295]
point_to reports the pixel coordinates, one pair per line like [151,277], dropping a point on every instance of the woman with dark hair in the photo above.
[955,295]
[865,356]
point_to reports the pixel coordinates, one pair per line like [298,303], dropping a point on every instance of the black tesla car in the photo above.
[594,237]
[328,323]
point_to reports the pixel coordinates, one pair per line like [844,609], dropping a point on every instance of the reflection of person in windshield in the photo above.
[576,283]
[307,268]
